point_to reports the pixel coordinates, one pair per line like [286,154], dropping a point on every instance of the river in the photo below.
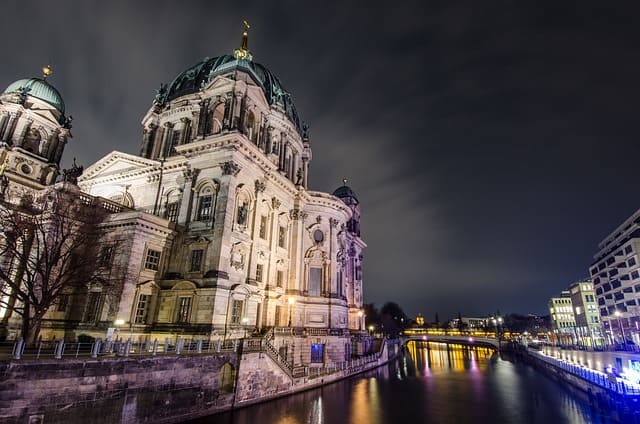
[434,385]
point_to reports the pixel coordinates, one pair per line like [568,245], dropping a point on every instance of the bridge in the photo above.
[457,338]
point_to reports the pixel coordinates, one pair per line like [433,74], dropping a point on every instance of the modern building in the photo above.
[586,314]
[563,319]
[615,273]
[214,227]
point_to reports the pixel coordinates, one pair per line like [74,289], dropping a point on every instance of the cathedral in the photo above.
[212,227]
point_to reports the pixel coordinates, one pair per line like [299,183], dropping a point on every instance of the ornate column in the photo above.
[166,139]
[11,127]
[186,128]
[148,135]
[23,132]
[4,119]
[297,257]
[235,117]
[62,140]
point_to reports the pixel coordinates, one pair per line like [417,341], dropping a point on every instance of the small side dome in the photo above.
[344,192]
[39,89]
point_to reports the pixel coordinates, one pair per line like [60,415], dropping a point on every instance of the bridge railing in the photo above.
[59,349]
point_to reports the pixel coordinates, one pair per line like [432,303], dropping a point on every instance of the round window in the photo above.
[318,236]
[26,169]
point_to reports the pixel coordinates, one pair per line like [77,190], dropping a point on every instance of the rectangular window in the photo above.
[628,249]
[172,211]
[282,234]
[184,308]
[142,308]
[196,260]
[94,307]
[610,261]
[152,261]
[259,273]
[63,302]
[594,271]
[175,140]
[236,311]
[106,256]
[632,261]
[279,278]
[315,281]
[278,317]
[627,290]
[263,227]
[317,353]
[204,208]
[634,274]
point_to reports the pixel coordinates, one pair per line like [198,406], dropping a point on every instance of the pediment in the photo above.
[117,163]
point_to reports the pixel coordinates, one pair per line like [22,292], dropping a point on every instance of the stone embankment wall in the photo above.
[165,389]
[127,390]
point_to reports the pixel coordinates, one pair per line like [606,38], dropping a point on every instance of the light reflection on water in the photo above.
[435,385]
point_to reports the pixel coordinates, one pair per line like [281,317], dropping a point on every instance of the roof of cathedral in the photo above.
[345,191]
[197,76]
[39,88]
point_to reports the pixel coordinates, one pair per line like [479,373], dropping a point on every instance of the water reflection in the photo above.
[436,384]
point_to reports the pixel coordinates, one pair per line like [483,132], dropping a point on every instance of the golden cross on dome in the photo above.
[243,51]
[46,71]
[344,181]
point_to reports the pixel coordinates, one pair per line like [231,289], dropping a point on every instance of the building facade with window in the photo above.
[616,280]
[213,230]
[224,159]
[563,319]
[586,314]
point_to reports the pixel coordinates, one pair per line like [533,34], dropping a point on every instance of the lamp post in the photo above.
[118,323]
[371,328]
[244,324]
[624,340]
[291,302]
[360,313]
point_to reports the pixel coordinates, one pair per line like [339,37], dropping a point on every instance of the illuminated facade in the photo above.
[586,314]
[563,319]
[615,273]
[224,236]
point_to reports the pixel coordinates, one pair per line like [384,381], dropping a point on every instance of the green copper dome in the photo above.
[198,76]
[40,89]
[344,192]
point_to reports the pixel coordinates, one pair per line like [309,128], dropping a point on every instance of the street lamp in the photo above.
[624,340]
[371,328]
[244,324]
[360,313]
[291,302]
[118,323]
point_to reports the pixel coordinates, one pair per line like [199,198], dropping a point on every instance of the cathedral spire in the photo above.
[243,52]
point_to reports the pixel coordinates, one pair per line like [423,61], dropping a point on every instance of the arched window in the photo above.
[217,117]
[205,204]
[226,378]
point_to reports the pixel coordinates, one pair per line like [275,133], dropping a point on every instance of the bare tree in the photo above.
[48,247]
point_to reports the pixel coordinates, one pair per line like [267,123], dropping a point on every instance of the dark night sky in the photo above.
[492,144]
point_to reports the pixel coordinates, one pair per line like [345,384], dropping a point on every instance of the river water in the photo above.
[430,385]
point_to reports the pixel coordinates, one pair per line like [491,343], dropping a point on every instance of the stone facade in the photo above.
[213,230]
